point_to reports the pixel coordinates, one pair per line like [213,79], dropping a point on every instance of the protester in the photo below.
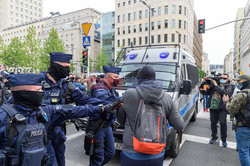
[78,84]
[239,107]
[204,92]
[151,92]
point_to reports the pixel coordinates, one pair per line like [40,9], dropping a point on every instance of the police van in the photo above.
[176,70]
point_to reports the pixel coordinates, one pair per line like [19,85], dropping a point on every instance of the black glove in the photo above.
[109,108]
[115,125]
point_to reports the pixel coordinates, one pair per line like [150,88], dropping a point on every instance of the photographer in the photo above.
[219,87]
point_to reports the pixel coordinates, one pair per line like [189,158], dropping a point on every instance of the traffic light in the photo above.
[201,26]
[85,57]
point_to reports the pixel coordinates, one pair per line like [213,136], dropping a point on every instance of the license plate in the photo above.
[119,146]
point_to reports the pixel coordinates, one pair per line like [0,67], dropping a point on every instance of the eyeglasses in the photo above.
[224,78]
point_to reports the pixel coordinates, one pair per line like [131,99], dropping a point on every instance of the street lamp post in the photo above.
[149,19]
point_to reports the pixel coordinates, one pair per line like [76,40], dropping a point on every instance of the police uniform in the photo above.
[62,92]
[236,107]
[104,149]
[53,114]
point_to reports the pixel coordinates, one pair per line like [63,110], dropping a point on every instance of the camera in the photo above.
[214,76]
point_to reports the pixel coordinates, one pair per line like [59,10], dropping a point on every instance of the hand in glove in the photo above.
[115,125]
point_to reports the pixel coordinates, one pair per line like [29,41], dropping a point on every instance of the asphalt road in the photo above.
[194,151]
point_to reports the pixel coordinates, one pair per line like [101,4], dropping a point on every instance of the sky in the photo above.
[217,42]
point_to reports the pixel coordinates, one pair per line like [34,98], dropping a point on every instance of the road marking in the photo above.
[73,136]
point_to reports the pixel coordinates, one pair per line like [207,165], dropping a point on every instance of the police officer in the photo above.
[238,107]
[27,94]
[58,90]
[104,149]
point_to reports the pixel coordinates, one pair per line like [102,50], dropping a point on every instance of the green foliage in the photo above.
[33,49]
[90,64]
[119,58]
[101,60]
[202,74]
[52,44]
[14,55]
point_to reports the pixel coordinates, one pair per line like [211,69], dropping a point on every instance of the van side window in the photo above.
[193,74]
[183,72]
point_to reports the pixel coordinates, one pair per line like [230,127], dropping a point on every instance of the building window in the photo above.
[134,28]
[119,4]
[159,24]
[146,26]
[179,23]
[173,9]
[184,40]
[140,41]
[129,15]
[165,38]
[180,9]
[123,30]
[153,12]
[134,1]
[123,3]
[152,26]
[129,30]
[129,2]
[152,39]
[118,31]
[184,24]
[140,27]
[140,14]
[185,11]
[173,37]
[159,38]
[146,40]
[165,23]
[179,38]
[134,41]
[173,23]
[134,15]
[129,42]
[118,19]
[159,11]
[123,42]
[166,9]
[123,18]
[146,13]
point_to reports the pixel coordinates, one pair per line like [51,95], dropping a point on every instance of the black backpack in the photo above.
[26,143]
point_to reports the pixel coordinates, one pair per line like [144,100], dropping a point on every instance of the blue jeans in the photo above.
[104,147]
[243,143]
[205,101]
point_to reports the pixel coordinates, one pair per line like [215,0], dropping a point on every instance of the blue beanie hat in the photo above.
[111,69]
[60,57]
[25,79]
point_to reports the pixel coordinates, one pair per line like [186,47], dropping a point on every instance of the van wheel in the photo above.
[194,117]
[174,149]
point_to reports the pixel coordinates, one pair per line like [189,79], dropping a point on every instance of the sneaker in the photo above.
[204,109]
[213,140]
[224,144]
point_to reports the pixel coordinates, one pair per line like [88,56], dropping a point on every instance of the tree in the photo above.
[33,49]
[52,44]
[202,74]
[101,60]
[119,58]
[14,54]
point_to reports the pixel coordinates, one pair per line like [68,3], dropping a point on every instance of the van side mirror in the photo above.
[186,87]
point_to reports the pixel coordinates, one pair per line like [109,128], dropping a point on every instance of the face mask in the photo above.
[223,81]
[29,99]
[1,79]
[7,84]
[116,82]
[242,85]
[58,71]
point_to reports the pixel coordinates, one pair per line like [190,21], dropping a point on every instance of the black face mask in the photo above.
[29,99]
[243,85]
[1,79]
[7,84]
[58,71]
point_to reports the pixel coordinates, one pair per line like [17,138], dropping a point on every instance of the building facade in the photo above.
[171,22]
[236,54]
[16,12]
[219,69]
[228,64]
[69,28]
[197,46]
[206,64]
[245,42]
[108,34]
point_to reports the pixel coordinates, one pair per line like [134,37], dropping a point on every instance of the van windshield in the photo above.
[165,73]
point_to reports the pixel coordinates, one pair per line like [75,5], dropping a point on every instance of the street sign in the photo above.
[86,27]
[86,41]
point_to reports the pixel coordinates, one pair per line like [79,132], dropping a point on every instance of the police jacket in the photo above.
[56,115]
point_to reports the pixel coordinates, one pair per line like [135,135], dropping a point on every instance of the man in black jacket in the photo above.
[217,107]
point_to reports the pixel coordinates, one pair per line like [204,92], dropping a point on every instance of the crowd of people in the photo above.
[223,96]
